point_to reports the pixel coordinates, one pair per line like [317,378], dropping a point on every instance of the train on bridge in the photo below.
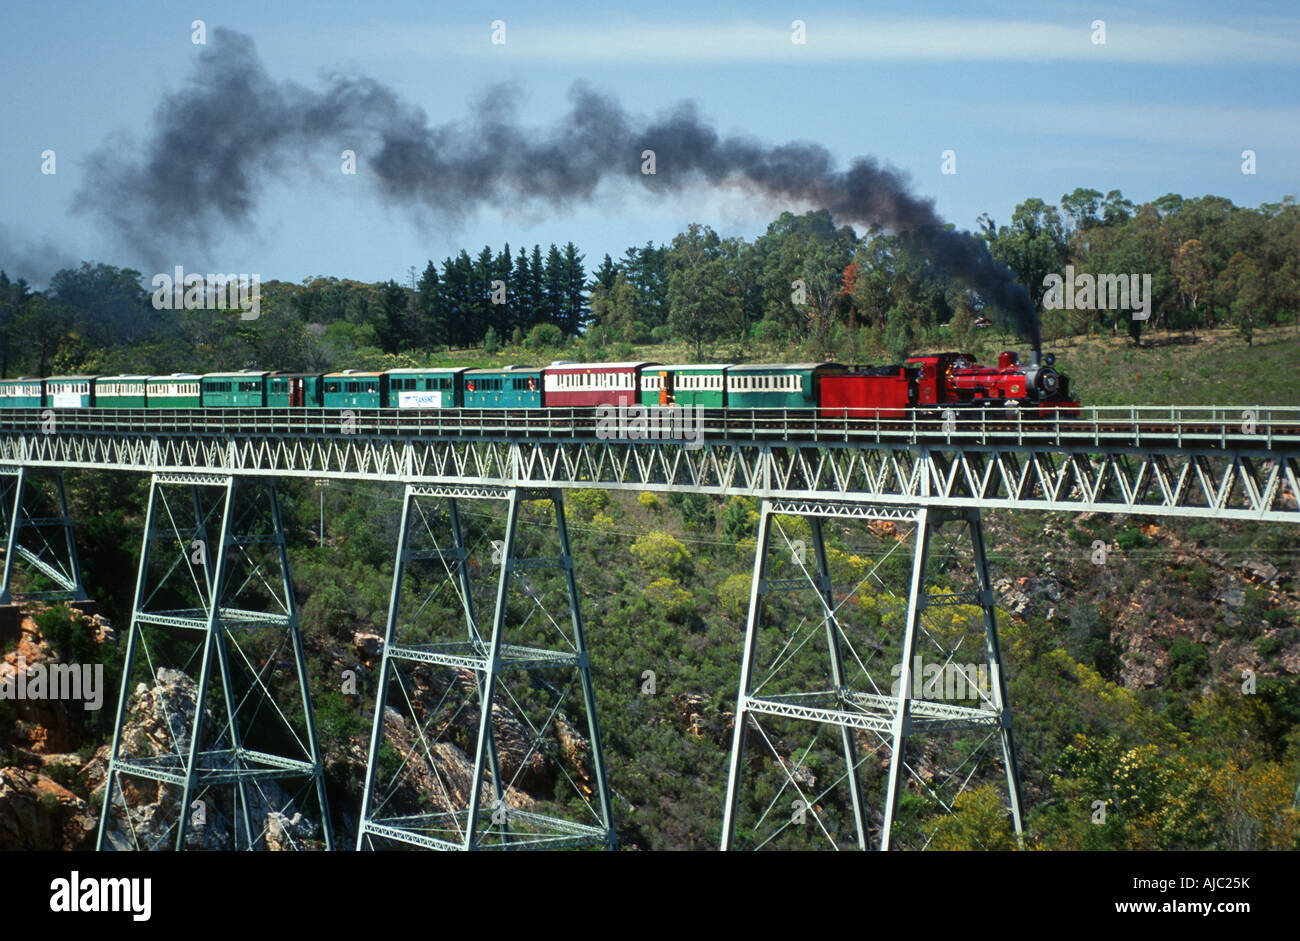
[924,383]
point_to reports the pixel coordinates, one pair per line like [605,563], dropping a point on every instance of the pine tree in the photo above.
[575,313]
[606,274]
[457,278]
[505,316]
[482,311]
[430,327]
[538,312]
[553,288]
[522,290]
[394,328]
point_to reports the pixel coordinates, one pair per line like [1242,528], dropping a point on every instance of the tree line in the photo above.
[805,287]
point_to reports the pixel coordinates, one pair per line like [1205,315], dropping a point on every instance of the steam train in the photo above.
[924,383]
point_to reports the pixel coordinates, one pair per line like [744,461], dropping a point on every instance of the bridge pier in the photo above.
[214,592]
[467,713]
[38,531]
[881,693]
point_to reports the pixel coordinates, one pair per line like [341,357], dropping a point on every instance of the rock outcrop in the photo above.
[159,725]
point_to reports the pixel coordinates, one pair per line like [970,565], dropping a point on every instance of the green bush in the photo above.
[68,634]
[640,333]
[733,594]
[1188,662]
[770,331]
[696,510]
[1131,538]
[1268,645]
[587,503]
[668,597]
[738,518]
[661,552]
[544,335]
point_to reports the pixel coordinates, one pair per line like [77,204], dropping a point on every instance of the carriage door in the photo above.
[665,388]
[295,393]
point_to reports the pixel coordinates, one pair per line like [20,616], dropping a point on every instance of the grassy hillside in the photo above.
[1216,367]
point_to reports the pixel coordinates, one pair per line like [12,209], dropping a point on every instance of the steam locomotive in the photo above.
[924,383]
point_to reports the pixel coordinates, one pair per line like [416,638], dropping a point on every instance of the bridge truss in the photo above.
[1215,468]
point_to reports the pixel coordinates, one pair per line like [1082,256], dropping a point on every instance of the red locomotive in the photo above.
[949,380]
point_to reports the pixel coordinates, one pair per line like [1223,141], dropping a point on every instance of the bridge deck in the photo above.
[1224,426]
[1226,463]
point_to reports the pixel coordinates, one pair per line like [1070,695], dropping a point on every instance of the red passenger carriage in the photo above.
[583,385]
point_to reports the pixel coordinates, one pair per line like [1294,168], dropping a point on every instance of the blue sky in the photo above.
[1030,105]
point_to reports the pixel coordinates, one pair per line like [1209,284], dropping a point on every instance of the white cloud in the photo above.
[832,38]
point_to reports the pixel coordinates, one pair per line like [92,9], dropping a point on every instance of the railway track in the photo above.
[1265,426]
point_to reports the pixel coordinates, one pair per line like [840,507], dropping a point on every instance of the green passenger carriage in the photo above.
[24,392]
[245,389]
[426,388]
[354,388]
[776,385]
[503,387]
[70,392]
[121,392]
[179,390]
[699,385]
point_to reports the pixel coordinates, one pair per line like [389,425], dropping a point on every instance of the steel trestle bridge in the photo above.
[212,477]
[1234,463]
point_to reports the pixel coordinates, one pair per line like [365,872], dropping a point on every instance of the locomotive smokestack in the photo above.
[1036,357]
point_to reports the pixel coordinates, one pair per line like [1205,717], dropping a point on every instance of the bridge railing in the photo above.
[1263,426]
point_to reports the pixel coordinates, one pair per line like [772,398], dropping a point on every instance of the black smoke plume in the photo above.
[214,145]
